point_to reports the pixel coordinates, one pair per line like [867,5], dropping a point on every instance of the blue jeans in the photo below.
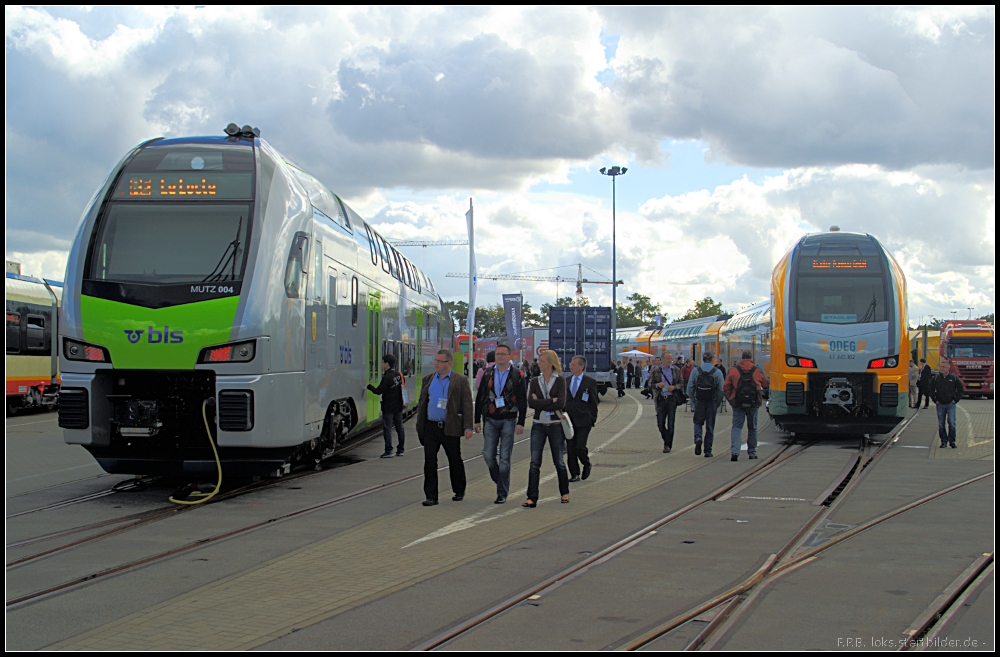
[750,415]
[946,411]
[498,436]
[388,421]
[552,433]
[704,413]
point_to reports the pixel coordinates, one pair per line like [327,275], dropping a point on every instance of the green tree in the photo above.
[459,311]
[707,307]
[530,318]
[989,318]
[643,308]
[490,321]
[625,317]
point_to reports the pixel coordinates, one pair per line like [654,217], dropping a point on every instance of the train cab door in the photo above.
[373,356]
[317,374]
[335,355]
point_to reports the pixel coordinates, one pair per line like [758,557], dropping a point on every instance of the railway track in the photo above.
[730,606]
[160,514]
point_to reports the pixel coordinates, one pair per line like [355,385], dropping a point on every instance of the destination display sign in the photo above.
[840,263]
[184,186]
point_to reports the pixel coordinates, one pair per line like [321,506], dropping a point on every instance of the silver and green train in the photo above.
[212,274]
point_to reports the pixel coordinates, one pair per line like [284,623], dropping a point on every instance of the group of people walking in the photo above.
[564,412]
[706,388]
[565,409]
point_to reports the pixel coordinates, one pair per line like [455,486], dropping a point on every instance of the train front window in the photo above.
[172,243]
[831,291]
[970,349]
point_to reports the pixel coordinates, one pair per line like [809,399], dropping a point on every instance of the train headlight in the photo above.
[882,363]
[75,350]
[792,361]
[236,352]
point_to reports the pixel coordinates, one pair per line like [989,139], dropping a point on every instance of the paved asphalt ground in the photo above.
[380,571]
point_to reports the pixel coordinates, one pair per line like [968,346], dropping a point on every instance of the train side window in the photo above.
[331,314]
[372,247]
[36,332]
[343,215]
[317,278]
[354,301]
[296,266]
[13,333]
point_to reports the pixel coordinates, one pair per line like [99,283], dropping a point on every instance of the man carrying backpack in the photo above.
[743,390]
[945,391]
[704,387]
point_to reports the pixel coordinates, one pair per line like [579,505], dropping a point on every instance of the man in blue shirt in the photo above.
[502,401]
[444,414]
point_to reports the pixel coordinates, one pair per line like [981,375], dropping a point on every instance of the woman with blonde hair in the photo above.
[547,396]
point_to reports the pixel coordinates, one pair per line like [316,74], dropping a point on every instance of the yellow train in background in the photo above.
[32,365]
[840,347]
[833,337]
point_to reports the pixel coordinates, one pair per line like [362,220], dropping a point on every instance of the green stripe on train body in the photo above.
[156,338]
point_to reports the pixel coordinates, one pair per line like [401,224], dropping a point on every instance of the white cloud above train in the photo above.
[878,120]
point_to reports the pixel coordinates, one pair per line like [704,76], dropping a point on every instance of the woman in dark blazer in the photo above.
[547,396]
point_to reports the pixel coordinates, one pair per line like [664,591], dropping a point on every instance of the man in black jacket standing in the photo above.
[630,373]
[391,390]
[923,383]
[945,391]
[581,407]
[502,401]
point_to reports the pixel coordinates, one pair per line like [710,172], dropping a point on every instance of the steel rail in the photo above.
[792,564]
[540,588]
[930,624]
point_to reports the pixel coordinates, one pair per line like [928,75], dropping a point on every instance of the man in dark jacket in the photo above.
[391,390]
[923,382]
[705,388]
[666,382]
[581,407]
[629,373]
[502,401]
[620,378]
[444,414]
[946,390]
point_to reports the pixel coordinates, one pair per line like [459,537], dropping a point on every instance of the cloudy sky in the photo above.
[742,129]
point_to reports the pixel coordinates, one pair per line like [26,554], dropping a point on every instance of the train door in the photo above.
[372,354]
[316,339]
[418,365]
[335,355]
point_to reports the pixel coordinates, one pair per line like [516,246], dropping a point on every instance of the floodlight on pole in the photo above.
[614,172]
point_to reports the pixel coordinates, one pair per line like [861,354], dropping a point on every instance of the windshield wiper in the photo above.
[219,271]
[870,313]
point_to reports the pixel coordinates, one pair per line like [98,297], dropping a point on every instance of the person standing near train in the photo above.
[629,373]
[547,396]
[914,377]
[501,405]
[923,383]
[390,388]
[444,414]
[705,388]
[743,389]
[945,390]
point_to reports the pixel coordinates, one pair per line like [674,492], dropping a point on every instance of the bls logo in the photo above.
[345,353]
[153,336]
[852,346]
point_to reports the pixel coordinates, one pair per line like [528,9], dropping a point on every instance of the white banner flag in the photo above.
[470,323]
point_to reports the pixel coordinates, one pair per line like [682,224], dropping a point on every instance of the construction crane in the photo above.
[579,280]
[426,243]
